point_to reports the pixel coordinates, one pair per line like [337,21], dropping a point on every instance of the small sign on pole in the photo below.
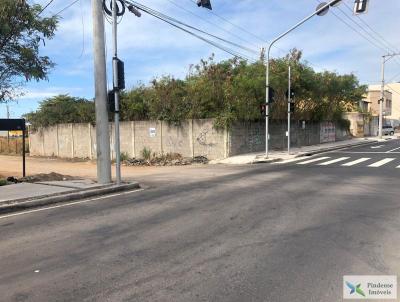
[16,125]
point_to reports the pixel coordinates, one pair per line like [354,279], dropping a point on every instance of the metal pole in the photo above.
[116,93]
[288,116]
[8,132]
[382,98]
[23,154]
[100,84]
[322,8]
[267,105]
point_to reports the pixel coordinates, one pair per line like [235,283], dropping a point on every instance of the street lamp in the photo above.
[321,10]
[385,58]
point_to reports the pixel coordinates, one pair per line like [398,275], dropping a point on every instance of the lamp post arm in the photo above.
[322,8]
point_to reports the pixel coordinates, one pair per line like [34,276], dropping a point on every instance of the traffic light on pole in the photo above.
[263,110]
[111,101]
[360,6]
[271,94]
[292,94]
[292,106]
[204,3]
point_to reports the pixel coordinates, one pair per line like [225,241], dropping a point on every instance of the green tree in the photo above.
[62,109]
[22,30]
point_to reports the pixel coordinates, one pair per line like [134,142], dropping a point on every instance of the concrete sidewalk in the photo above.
[275,156]
[29,195]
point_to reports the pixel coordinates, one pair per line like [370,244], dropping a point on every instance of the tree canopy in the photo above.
[22,30]
[232,91]
[62,109]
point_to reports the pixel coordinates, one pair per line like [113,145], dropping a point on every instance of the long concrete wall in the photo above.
[191,138]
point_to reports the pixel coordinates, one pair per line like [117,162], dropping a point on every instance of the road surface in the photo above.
[268,232]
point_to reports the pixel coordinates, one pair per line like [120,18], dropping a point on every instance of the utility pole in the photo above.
[116,94]
[288,115]
[100,84]
[382,98]
[385,58]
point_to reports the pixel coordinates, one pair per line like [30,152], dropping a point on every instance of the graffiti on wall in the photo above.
[327,132]
[204,138]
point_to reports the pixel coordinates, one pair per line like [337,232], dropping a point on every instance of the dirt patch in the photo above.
[42,177]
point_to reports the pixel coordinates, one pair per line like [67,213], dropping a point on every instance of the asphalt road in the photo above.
[268,232]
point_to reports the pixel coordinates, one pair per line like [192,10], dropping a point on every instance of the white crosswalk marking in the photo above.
[313,160]
[333,161]
[355,162]
[381,162]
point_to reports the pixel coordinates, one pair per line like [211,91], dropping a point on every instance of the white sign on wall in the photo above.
[152,132]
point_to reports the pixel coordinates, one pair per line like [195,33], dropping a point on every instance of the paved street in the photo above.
[269,232]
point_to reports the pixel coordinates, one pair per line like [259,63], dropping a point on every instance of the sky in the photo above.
[338,41]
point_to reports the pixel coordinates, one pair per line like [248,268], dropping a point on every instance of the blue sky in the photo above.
[151,48]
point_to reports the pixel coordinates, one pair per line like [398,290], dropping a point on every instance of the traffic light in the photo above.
[111,101]
[263,109]
[360,6]
[292,106]
[119,67]
[204,3]
[292,94]
[272,97]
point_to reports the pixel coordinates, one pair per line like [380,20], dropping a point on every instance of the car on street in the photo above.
[387,130]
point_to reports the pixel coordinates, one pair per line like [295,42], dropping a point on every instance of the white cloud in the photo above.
[152,48]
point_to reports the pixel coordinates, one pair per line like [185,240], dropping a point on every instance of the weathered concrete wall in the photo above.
[191,138]
[250,137]
[207,141]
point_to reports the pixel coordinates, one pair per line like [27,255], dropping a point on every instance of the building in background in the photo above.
[391,107]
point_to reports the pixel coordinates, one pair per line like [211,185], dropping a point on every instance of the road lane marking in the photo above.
[290,160]
[362,152]
[381,162]
[393,150]
[313,160]
[69,204]
[333,161]
[377,147]
[355,162]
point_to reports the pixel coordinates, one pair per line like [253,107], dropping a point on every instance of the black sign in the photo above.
[11,124]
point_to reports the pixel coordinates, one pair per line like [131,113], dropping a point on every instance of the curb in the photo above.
[335,148]
[15,205]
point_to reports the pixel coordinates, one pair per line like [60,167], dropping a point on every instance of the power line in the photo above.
[173,21]
[212,23]
[383,39]
[65,8]
[141,6]
[43,9]
[357,31]
[394,90]
[235,25]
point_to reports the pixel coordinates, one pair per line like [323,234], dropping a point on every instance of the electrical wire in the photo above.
[389,45]
[357,31]
[44,8]
[65,8]
[83,31]
[172,21]
[148,9]
[213,24]
[391,88]
[235,25]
